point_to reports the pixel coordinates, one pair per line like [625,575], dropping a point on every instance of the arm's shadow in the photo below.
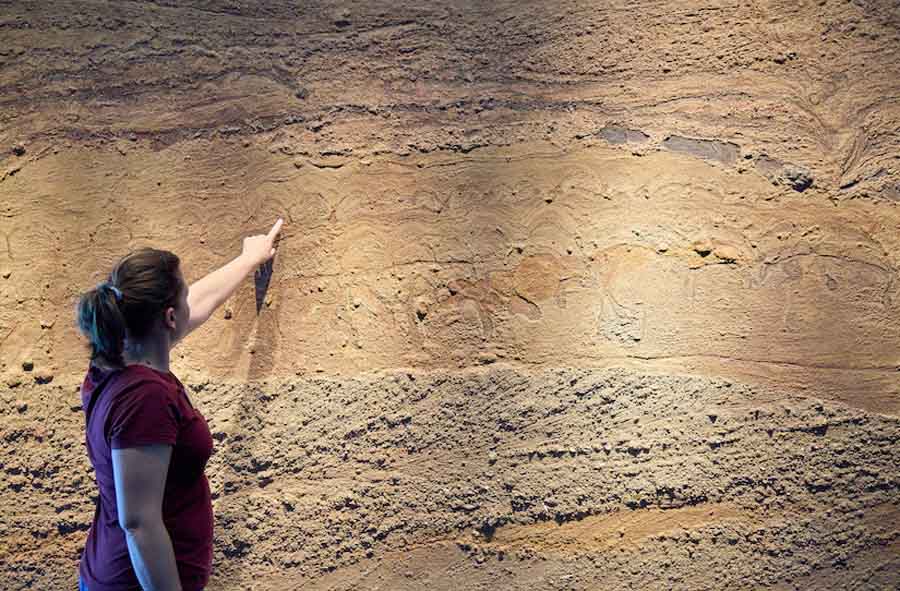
[261,279]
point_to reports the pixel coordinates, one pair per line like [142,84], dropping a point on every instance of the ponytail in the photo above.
[101,320]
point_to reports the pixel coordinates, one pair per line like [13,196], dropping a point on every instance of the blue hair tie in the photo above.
[114,289]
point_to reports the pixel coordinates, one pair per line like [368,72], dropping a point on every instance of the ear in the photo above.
[170,318]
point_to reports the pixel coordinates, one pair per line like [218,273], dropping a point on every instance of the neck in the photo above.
[152,353]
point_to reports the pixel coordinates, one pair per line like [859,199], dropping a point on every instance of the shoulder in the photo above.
[140,389]
[145,410]
[144,381]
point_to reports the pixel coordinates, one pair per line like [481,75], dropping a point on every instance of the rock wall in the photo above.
[569,295]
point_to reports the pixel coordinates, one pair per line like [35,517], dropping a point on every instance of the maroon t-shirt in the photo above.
[142,406]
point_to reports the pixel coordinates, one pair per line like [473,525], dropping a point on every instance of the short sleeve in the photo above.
[145,415]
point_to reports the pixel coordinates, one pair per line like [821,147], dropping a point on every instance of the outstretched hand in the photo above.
[260,248]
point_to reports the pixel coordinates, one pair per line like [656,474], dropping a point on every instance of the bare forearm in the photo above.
[150,549]
[208,293]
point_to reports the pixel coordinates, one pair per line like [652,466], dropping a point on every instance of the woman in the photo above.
[153,523]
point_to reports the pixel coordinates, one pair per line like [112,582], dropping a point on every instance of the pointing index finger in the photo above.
[274,231]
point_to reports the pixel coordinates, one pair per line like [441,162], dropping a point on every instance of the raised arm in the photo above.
[210,292]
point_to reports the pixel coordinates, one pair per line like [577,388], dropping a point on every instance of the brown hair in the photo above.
[141,285]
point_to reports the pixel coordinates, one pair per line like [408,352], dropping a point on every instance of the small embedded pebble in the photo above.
[702,247]
[43,377]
